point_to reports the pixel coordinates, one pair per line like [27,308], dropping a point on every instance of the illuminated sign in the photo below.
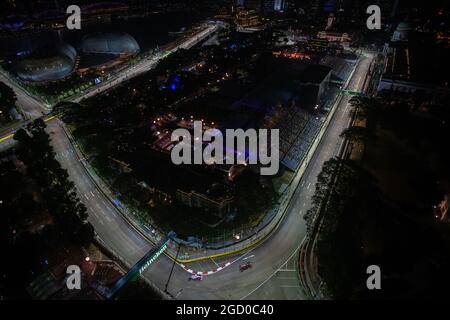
[155,256]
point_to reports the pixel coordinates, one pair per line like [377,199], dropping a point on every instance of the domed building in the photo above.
[402,31]
[48,68]
[102,51]
[109,43]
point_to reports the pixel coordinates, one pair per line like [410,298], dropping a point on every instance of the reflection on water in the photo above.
[148,32]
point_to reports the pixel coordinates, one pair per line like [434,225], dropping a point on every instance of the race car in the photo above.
[245,266]
[196,277]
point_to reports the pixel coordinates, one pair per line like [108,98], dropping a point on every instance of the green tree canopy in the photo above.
[8,99]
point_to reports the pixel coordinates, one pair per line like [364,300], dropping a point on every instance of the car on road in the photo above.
[196,277]
[246,265]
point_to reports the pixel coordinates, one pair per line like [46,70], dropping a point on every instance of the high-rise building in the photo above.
[266,6]
[274,5]
[279,5]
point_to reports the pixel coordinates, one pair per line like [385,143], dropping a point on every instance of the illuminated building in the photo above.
[111,43]
[291,55]
[341,37]
[49,68]
[248,20]
[106,50]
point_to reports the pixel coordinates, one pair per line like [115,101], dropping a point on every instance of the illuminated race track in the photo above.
[264,280]
[273,275]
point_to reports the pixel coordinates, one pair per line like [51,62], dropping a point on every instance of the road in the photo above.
[270,258]
[293,229]
[32,108]
[273,258]
[144,65]
[273,266]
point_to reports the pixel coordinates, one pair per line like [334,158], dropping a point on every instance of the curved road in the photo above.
[229,283]
[266,279]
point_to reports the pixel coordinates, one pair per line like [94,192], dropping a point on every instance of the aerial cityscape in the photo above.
[224,150]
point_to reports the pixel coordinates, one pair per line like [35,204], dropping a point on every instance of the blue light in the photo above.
[329,6]
[173,84]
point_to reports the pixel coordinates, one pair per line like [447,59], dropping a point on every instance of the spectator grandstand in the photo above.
[297,131]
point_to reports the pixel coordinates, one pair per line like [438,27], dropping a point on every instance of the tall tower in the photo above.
[279,5]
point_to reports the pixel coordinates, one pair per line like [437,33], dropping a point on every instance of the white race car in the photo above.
[198,277]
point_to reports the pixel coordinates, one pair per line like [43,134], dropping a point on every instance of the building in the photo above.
[106,50]
[248,20]
[342,38]
[49,68]
[270,6]
[314,82]
[218,205]
[280,5]
[415,61]
[317,45]
[109,43]
[402,31]
[263,6]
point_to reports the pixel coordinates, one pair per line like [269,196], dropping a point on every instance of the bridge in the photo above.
[139,267]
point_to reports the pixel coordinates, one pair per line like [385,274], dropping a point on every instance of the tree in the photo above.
[8,99]
[69,214]
[358,133]
[366,107]
[345,194]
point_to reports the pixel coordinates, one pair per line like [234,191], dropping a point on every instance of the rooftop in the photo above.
[314,73]
[419,60]
[113,43]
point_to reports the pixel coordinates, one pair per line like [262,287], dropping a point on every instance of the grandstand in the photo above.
[298,129]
